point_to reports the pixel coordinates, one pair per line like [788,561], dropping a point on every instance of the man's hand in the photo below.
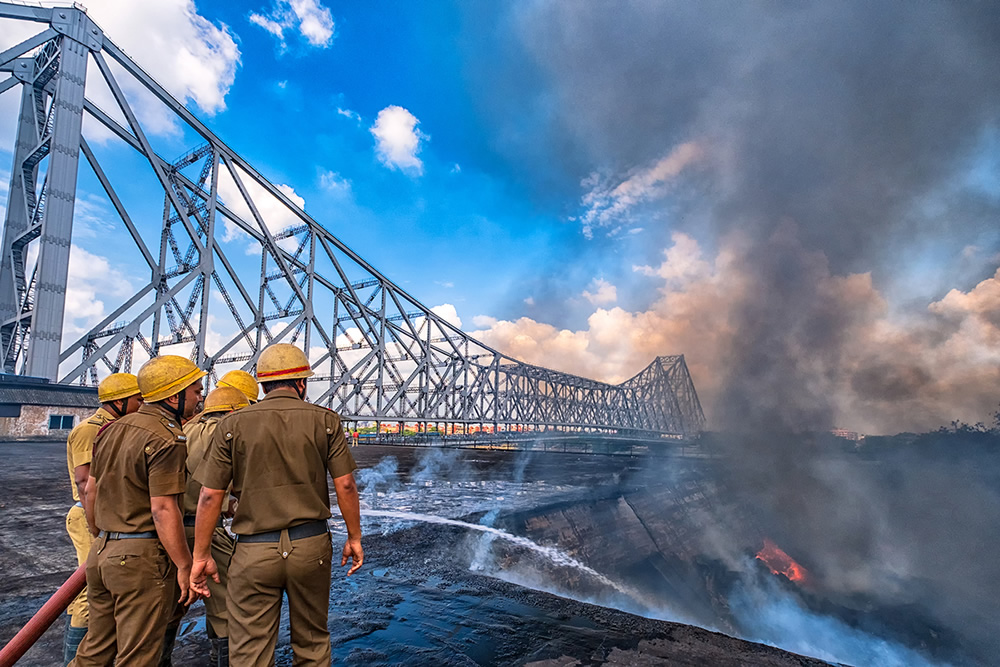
[188,593]
[201,570]
[353,551]
[348,501]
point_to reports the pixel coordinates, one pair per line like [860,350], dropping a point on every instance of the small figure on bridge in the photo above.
[119,396]
[243,381]
[354,438]
[270,453]
[220,401]
[136,478]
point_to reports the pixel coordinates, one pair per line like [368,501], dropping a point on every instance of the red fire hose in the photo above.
[43,618]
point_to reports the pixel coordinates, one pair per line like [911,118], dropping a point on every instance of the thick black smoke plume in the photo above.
[833,139]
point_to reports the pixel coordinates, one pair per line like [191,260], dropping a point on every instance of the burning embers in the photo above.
[781,563]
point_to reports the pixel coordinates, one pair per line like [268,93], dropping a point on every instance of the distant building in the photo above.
[845,434]
[36,408]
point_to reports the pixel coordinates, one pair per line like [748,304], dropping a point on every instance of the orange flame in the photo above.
[781,563]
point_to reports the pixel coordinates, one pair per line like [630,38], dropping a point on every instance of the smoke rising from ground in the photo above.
[842,360]
[820,154]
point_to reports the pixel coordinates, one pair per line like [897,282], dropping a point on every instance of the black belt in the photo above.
[310,529]
[148,535]
[189,521]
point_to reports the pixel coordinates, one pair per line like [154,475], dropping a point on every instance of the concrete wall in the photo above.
[34,422]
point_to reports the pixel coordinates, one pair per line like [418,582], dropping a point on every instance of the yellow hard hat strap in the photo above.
[178,412]
[117,407]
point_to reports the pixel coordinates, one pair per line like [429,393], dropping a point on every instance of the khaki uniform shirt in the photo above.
[277,453]
[199,433]
[80,444]
[140,456]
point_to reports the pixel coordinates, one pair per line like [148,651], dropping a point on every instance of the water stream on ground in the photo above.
[551,553]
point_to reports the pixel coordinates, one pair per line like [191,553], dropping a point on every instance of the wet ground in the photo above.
[429,593]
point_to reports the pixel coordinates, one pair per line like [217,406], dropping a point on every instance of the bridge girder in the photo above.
[379,354]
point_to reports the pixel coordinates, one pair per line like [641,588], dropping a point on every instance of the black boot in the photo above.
[71,641]
[220,651]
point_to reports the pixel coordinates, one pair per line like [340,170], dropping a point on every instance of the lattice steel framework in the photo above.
[379,354]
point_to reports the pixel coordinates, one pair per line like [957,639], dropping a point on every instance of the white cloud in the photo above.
[273,27]
[604,292]
[683,262]
[448,313]
[92,279]
[332,181]
[190,56]
[529,301]
[93,216]
[397,139]
[891,375]
[309,18]
[607,202]
[347,113]
[276,215]
[193,58]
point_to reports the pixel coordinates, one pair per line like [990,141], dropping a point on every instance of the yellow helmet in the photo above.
[117,386]
[243,381]
[225,399]
[282,361]
[164,376]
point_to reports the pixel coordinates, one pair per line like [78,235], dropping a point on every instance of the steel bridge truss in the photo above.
[378,353]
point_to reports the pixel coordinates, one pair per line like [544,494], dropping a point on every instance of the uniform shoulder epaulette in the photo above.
[97,419]
[105,426]
[174,428]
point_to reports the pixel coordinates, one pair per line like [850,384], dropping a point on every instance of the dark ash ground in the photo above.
[415,602]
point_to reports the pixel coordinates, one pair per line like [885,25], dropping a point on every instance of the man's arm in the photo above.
[89,499]
[80,476]
[209,508]
[350,509]
[170,528]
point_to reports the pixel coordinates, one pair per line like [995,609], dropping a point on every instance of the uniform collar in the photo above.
[156,410]
[281,392]
[107,415]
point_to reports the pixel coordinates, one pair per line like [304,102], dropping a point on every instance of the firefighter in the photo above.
[243,381]
[219,402]
[119,396]
[272,453]
[139,566]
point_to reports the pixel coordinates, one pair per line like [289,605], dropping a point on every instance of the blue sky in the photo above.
[802,202]
[463,229]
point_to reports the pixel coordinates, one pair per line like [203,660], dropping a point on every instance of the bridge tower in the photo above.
[233,264]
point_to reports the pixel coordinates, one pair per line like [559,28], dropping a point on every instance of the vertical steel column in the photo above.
[16,221]
[57,221]
[207,263]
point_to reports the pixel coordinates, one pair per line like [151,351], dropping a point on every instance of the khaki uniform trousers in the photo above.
[216,616]
[132,589]
[79,533]
[258,575]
